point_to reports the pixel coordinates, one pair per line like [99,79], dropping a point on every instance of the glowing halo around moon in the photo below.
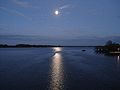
[56,12]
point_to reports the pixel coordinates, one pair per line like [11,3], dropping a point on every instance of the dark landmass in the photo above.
[35,46]
[109,48]
[25,46]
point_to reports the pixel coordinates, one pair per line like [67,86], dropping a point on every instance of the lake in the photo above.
[69,69]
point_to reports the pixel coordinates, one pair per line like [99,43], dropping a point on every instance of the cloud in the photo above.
[37,39]
[14,12]
[3,27]
[64,7]
[23,4]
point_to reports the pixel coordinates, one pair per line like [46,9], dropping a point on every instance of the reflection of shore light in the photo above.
[56,82]
[118,59]
[57,49]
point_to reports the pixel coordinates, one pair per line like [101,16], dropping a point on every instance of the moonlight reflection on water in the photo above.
[118,60]
[56,82]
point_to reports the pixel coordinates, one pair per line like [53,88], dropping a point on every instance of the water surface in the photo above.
[70,69]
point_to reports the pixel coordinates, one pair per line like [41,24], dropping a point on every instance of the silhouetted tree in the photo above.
[109,42]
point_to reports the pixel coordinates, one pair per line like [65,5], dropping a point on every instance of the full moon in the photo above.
[56,12]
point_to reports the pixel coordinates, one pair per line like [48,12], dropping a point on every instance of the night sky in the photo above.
[61,22]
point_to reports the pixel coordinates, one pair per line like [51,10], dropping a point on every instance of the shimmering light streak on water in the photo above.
[118,59]
[56,82]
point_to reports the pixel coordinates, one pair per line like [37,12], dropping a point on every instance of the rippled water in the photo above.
[68,69]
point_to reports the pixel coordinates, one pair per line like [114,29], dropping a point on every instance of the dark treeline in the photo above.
[109,48]
[37,46]
[25,46]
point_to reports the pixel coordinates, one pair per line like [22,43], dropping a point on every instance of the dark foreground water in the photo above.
[71,69]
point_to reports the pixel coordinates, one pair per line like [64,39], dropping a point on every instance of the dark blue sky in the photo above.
[79,22]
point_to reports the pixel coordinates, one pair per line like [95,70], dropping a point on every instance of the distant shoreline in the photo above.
[35,46]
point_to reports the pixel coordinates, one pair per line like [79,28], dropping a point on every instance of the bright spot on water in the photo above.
[118,59]
[57,49]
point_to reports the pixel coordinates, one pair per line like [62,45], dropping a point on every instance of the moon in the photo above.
[56,12]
